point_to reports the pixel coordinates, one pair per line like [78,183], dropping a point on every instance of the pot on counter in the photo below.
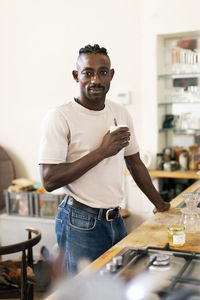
[171,165]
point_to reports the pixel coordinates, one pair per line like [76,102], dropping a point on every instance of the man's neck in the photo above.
[91,105]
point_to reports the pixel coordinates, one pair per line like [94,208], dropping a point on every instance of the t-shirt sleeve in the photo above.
[54,138]
[133,146]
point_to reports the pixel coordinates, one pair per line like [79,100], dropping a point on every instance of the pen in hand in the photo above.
[115,121]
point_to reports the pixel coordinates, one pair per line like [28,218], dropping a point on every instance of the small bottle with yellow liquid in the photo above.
[176,235]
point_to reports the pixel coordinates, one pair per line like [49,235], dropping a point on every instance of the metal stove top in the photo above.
[180,269]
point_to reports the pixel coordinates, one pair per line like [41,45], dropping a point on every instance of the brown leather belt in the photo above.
[109,214]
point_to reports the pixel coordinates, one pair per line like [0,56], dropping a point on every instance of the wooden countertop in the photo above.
[152,232]
[174,174]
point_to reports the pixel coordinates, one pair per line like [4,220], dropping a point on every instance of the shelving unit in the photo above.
[179,75]
[172,50]
[180,131]
[178,104]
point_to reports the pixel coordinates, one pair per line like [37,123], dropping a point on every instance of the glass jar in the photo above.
[193,162]
[190,214]
[167,154]
[159,161]
[177,152]
[190,220]
[193,157]
[183,160]
[176,235]
[191,200]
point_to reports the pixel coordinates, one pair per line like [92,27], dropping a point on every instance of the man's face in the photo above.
[94,75]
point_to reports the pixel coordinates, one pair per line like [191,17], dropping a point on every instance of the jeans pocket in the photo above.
[58,229]
[81,220]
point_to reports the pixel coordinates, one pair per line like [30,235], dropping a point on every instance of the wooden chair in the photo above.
[25,289]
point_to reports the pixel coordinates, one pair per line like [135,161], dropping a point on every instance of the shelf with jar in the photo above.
[175,94]
[179,84]
[181,124]
[179,111]
[179,131]
[181,58]
[179,75]
[174,174]
[179,158]
[176,169]
[172,102]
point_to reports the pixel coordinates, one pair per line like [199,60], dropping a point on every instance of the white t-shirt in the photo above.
[71,131]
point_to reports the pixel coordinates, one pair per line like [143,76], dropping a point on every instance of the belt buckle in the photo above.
[107,215]
[108,211]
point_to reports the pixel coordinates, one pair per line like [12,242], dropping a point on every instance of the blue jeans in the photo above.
[81,235]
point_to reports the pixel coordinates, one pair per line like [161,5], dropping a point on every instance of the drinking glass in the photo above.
[191,220]
[191,201]
[190,216]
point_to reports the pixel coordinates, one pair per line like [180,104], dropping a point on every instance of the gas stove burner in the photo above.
[160,259]
[173,268]
[159,262]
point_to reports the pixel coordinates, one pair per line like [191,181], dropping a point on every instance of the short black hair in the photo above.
[96,49]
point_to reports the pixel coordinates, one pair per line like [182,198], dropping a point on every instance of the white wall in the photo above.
[159,17]
[40,40]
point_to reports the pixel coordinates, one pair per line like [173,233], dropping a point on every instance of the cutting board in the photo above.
[7,174]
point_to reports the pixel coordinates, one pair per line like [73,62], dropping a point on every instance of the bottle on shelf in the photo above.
[177,151]
[159,161]
[193,157]
[183,160]
[167,154]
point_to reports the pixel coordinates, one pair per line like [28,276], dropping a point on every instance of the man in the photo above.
[78,152]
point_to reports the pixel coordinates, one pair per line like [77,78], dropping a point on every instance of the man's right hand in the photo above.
[165,207]
[114,141]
